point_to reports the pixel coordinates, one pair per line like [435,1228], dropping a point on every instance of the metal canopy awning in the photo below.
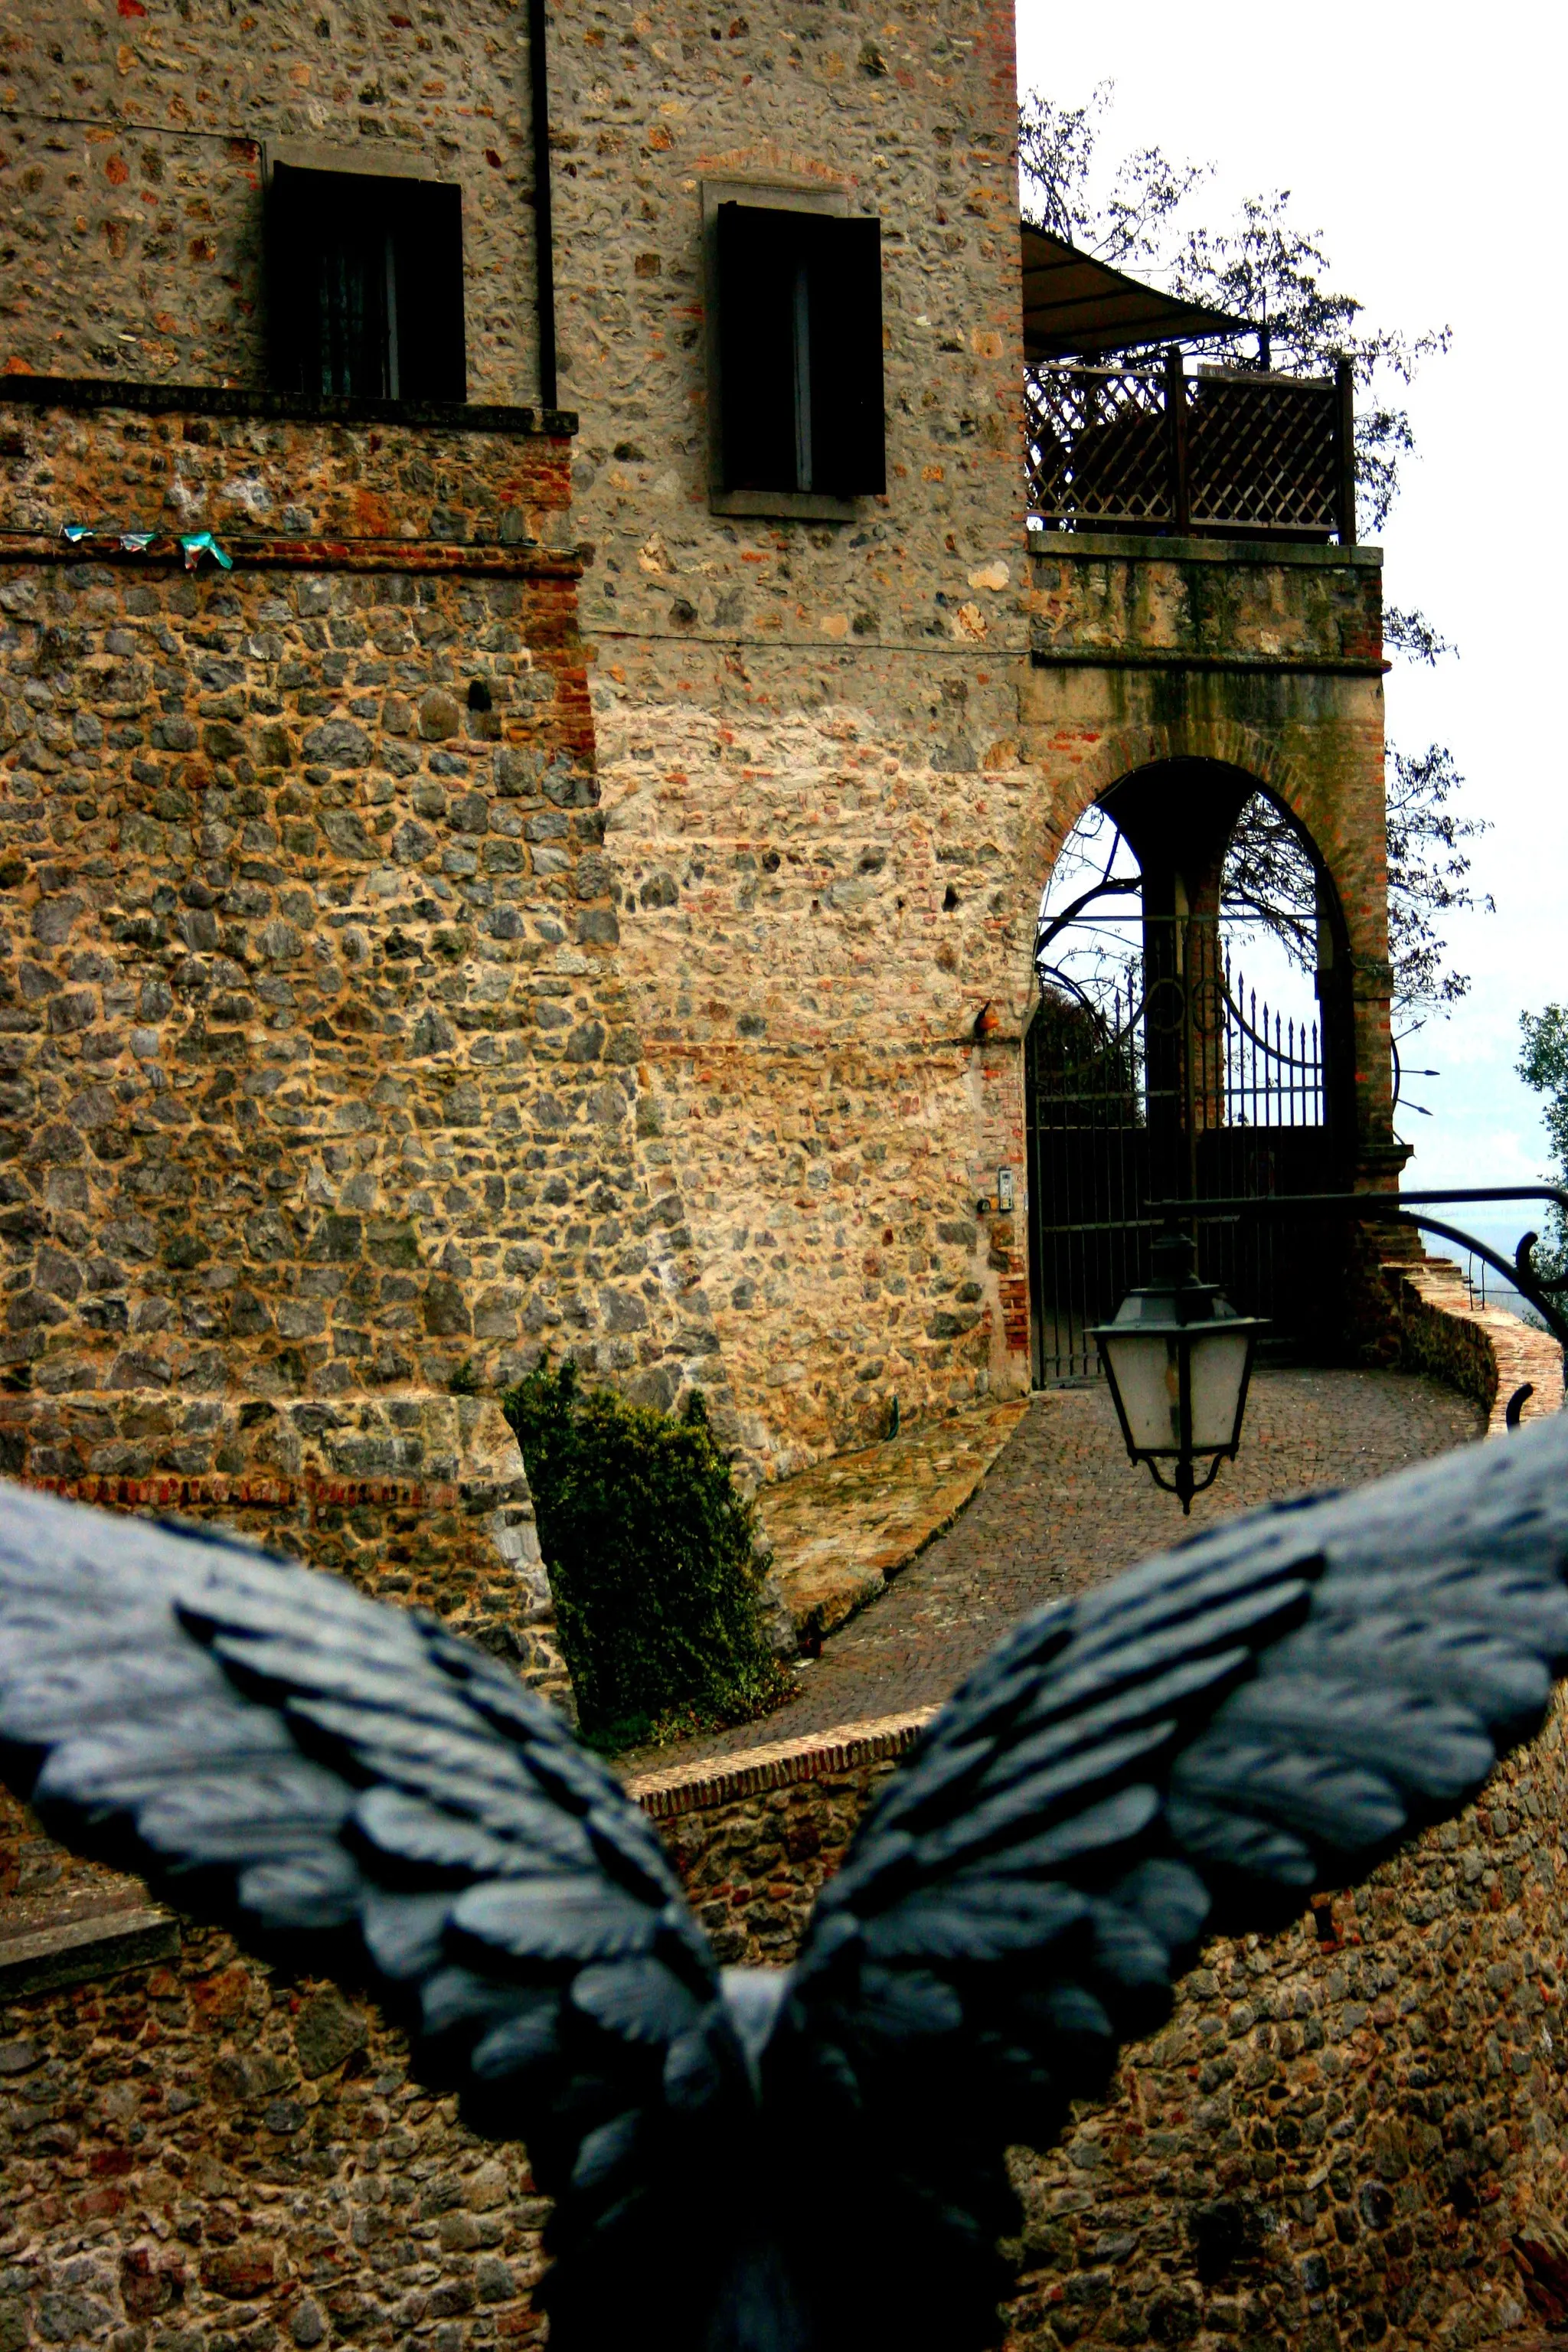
[1076,307]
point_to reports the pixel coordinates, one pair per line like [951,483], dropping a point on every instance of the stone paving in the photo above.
[1062,1507]
[843,1529]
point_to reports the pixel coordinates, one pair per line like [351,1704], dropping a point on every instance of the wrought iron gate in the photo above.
[1173,1082]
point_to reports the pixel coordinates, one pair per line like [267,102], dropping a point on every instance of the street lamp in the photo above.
[1178,1358]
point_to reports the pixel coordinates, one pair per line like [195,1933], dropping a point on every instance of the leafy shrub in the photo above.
[650,1553]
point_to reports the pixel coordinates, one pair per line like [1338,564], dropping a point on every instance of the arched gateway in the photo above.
[1156,1068]
[1206,1005]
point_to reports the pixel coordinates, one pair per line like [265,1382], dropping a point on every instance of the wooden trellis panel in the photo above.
[1140,449]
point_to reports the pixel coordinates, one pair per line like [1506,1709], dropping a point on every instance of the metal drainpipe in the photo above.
[545,241]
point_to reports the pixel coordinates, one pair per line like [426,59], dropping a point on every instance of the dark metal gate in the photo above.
[1173,1082]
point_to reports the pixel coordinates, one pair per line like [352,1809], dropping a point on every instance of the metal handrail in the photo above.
[1401,1208]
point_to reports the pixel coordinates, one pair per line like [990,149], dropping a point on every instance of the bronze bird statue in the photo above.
[1270,1708]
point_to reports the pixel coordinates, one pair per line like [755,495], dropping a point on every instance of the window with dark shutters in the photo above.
[800,352]
[364,286]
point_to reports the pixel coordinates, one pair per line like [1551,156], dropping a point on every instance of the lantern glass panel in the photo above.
[1218,1369]
[1145,1368]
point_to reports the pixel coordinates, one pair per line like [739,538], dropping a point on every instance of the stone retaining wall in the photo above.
[1330,2144]
[1485,1352]
[204,2156]
[1334,2140]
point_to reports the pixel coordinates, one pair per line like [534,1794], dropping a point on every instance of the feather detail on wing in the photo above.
[1200,1743]
[349,1783]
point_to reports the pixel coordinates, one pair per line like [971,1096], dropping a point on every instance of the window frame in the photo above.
[773,195]
[410,168]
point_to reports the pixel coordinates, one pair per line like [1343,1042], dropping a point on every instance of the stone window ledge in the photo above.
[805,506]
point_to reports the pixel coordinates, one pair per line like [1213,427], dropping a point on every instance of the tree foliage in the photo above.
[1428,878]
[1269,878]
[1124,217]
[1264,267]
[1543,1064]
[652,1560]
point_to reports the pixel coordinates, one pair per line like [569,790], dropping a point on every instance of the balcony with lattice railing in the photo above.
[1225,453]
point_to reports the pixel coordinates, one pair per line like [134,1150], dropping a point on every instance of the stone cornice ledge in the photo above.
[1051,653]
[1095,546]
[712,1780]
[81,1949]
[90,392]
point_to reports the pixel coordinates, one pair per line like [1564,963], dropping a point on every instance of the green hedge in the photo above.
[650,1553]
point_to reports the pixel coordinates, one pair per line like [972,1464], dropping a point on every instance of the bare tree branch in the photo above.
[1262,267]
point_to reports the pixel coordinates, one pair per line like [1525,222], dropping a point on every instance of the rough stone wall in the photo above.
[1485,1352]
[834,788]
[807,923]
[131,159]
[206,2155]
[755,1837]
[878,653]
[319,1081]
[1335,2137]
[829,930]
[796,719]
[911,117]
[833,783]
[1334,2140]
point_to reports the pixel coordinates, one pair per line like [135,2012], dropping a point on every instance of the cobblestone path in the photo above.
[1062,1507]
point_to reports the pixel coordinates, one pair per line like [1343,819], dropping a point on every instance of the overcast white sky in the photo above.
[1426,142]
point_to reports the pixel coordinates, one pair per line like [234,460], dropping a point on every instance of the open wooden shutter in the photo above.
[847,423]
[757,249]
[292,270]
[428,234]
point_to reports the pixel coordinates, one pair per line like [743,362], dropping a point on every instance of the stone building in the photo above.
[466,914]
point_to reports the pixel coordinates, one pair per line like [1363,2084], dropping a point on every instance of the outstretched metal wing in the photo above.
[1266,1710]
[346,1783]
[809,2162]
